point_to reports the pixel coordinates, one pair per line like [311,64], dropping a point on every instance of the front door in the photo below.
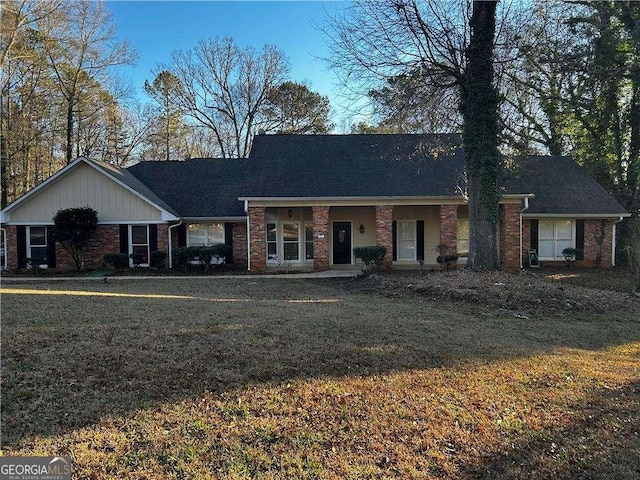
[341,243]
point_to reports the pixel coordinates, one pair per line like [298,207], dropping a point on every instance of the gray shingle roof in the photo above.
[202,187]
[354,165]
[561,187]
[360,166]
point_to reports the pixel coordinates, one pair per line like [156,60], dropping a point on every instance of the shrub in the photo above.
[570,255]
[183,255]
[137,259]
[74,227]
[445,259]
[116,260]
[158,259]
[371,256]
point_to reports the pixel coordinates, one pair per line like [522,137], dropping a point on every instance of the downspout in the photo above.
[526,206]
[613,242]
[6,252]
[170,243]
[246,209]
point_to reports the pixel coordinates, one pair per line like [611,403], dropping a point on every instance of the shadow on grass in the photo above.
[596,443]
[70,360]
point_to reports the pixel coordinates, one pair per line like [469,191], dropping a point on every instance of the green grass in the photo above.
[279,378]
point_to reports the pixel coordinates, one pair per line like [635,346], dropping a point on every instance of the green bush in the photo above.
[158,259]
[137,259]
[371,256]
[183,255]
[116,260]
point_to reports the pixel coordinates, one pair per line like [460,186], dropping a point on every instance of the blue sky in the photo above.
[156,28]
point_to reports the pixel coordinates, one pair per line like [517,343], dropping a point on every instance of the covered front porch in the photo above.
[301,235]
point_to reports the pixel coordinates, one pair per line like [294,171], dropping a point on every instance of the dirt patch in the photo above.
[525,293]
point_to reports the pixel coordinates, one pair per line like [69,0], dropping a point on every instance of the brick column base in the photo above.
[449,228]
[320,238]
[510,236]
[384,224]
[258,239]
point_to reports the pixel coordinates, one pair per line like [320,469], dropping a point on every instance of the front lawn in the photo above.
[281,378]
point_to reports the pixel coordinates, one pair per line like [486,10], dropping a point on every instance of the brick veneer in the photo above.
[384,232]
[449,227]
[240,244]
[105,240]
[510,236]
[11,243]
[526,238]
[320,245]
[258,239]
[598,238]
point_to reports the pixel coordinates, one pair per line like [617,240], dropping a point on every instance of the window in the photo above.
[3,251]
[290,241]
[140,243]
[554,236]
[272,242]
[205,234]
[406,240]
[463,236]
[37,246]
[308,241]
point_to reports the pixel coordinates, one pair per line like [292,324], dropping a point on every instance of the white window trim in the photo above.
[46,242]
[206,234]
[415,241]
[131,245]
[280,243]
[555,238]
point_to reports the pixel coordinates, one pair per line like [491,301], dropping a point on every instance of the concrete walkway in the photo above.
[303,275]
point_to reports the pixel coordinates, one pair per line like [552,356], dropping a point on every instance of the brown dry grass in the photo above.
[281,378]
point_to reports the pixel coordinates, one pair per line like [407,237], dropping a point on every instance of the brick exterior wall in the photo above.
[240,244]
[320,245]
[11,244]
[510,236]
[105,240]
[449,227]
[258,239]
[384,232]
[598,238]
[526,238]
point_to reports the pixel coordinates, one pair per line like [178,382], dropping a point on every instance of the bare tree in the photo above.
[224,88]
[453,45]
[83,51]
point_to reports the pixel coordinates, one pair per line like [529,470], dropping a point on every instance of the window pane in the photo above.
[216,233]
[290,232]
[271,232]
[545,229]
[564,229]
[139,235]
[291,251]
[39,255]
[406,250]
[561,245]
[38,236]
[308,232]
[308,246]
[144,251]
[463,235]
[406,231]
[196,235]
[545,248]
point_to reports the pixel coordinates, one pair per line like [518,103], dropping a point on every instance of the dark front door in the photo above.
[341,243]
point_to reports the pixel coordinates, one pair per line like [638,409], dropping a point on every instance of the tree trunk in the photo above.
[69,132]
[479,107]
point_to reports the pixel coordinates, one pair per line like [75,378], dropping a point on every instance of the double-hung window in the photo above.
[291,241]
[272,242]
[205,234]
[554,236]
[308,241]
[37,246]
[140,244]
[406,239]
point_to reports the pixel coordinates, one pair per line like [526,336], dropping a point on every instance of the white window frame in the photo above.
[46,243]
[414,223]
[207,242]
[304,230]
[557,254]
[131,245]
[280,242]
